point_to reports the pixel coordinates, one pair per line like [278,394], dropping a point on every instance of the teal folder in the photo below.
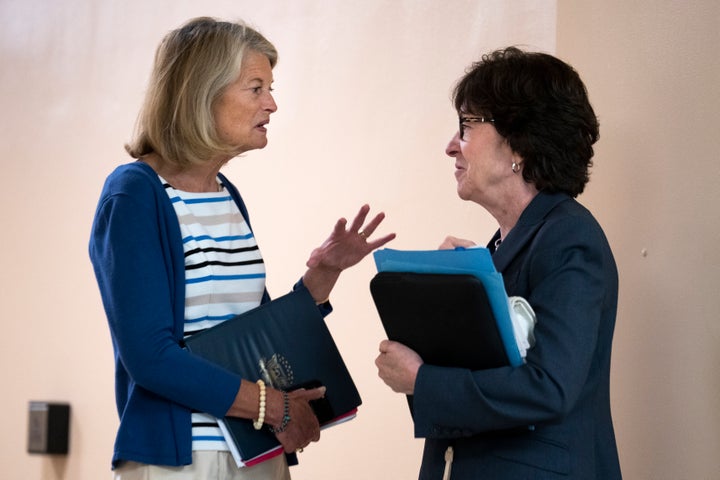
[476,262]
[286,343]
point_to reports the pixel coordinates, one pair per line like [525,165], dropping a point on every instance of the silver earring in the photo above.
[515,167]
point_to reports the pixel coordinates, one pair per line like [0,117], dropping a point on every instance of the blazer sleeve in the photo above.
[565,275]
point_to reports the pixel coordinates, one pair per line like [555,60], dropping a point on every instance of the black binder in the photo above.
[286,343]
[445,318]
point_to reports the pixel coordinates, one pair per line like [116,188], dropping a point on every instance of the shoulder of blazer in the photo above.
[530,221]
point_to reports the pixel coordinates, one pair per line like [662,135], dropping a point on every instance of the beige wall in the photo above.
[653,73]
[364,117]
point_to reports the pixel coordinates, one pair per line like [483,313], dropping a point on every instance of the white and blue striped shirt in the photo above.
[224,275]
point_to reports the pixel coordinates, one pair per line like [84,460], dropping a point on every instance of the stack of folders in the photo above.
[286,343]
[450,306]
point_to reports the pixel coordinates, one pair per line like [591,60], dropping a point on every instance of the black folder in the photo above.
[286,343]
[445,318]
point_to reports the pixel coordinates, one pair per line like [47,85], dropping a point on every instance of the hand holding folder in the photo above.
[287,344]
[450,306]
[445,318]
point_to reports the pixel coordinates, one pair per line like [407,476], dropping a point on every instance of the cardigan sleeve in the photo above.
[134,252]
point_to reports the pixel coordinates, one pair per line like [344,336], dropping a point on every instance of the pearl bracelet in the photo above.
[258,424]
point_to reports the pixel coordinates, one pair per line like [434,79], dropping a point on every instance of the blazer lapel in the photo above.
[528,224]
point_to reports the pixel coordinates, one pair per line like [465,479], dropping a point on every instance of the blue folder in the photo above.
[476,262]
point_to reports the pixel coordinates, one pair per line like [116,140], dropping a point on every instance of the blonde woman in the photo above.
[174,253]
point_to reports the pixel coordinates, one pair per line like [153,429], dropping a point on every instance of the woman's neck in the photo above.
[508,210]
[190,178]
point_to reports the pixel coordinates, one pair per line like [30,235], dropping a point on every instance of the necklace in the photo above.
[497,243]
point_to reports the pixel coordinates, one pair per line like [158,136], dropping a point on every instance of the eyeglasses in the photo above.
[464,120]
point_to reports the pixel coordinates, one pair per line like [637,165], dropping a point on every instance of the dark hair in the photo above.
[541,108]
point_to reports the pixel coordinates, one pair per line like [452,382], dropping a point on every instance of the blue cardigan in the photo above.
[137,253]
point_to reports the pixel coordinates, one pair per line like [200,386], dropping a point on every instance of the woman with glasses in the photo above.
[523,152]
[174,254]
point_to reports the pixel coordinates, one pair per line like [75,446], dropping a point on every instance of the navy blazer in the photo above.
[549,418]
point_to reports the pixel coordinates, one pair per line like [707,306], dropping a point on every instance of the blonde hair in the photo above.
[193,65]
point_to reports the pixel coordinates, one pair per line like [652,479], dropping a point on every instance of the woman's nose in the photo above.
[270,104]
[453,147]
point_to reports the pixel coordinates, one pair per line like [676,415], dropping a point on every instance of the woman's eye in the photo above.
[259,90]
